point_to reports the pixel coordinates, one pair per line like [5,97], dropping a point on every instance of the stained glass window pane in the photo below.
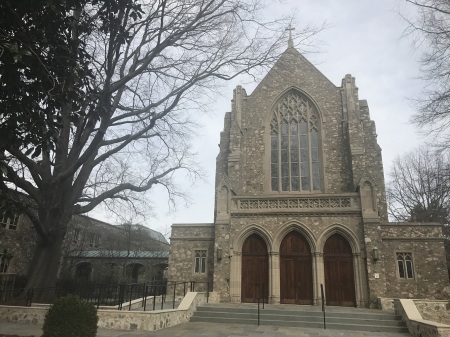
[316,176]
[315,167]
[314,146]
[203,264]
[275,184]
[409,269]
[197,264]
[401,269]
[274,161]
[295,184]
[294,156]
[284,156]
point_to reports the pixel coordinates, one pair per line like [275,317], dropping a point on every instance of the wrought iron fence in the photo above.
[155,295]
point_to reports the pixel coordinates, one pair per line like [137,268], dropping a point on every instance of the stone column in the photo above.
[235,277]
[274,277]
[318,277]
[360,298]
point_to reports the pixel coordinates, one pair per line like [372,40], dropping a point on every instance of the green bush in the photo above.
[70,316]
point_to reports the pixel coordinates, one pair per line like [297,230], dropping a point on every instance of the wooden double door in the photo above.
[296,280]
[339,272]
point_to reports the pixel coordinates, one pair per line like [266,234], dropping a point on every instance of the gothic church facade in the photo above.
[300,203]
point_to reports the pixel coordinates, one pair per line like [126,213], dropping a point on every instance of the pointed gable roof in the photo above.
[293,69]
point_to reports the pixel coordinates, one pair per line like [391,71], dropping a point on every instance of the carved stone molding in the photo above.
[296,204]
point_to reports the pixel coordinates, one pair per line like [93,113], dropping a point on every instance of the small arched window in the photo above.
[294,141]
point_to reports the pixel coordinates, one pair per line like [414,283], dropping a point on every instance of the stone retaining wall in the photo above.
[434,310]
[114,319]
[417,326]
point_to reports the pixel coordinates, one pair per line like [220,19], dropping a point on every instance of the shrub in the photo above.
[70,316]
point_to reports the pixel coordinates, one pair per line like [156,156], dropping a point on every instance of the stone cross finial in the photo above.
[290,41]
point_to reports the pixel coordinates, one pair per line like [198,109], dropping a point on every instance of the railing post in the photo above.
[99,295]
[162,296]
[323,306]
[121,296]
[145,296]
[30,293]
[131,295]
[258,311]
[207,292]
[264,293]
[174,290]
[154,296]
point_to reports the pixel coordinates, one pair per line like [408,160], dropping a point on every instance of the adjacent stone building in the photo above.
[300,203]
[93,252]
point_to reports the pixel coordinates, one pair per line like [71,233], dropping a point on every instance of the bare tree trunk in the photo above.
[44,268]
[55,215]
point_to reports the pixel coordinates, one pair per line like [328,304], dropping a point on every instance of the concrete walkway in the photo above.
[198,329]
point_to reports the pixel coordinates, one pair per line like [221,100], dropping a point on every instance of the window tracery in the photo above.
[294,142]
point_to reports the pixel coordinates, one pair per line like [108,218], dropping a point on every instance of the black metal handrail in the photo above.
[323,306]
[259,310]
[111,295]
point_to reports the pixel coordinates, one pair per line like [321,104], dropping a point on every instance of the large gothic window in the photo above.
[294,141]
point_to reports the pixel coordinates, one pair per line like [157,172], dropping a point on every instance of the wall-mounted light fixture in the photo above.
[219,253]
[375,254]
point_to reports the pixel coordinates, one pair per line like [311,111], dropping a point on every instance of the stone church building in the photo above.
[300,203]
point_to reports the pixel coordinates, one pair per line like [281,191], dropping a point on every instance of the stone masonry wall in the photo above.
[292,70]
[184,240]
[436,311]
[114,319]
[20,244]
[426,244]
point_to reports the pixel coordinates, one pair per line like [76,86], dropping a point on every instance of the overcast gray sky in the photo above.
[364,39]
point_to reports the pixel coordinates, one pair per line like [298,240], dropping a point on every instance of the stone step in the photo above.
[376,314]
[300,316]
[347,319]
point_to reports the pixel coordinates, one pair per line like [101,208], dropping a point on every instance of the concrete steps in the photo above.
[302,316]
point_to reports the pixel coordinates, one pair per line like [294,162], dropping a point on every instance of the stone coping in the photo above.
[418,326]
[192,224]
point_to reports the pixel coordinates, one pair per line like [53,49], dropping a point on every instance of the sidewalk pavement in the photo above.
[200,329]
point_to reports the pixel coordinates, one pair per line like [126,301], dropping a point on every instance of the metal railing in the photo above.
[136,296]
[264,296]
[323,306]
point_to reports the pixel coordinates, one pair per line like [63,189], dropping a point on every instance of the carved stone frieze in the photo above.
[297,204]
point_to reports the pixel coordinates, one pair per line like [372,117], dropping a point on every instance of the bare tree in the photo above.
[102,112]
[431,31]
[419,187]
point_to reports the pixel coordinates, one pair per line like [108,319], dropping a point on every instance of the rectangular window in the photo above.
[200,262]
[405,266]
[9,221]
[93,240]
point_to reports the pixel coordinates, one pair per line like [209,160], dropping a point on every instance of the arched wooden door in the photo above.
[296,281]
[339,276]
[255,265]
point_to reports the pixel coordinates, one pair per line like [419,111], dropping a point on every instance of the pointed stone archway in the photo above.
[296,279]
[339,272]
[255,269]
